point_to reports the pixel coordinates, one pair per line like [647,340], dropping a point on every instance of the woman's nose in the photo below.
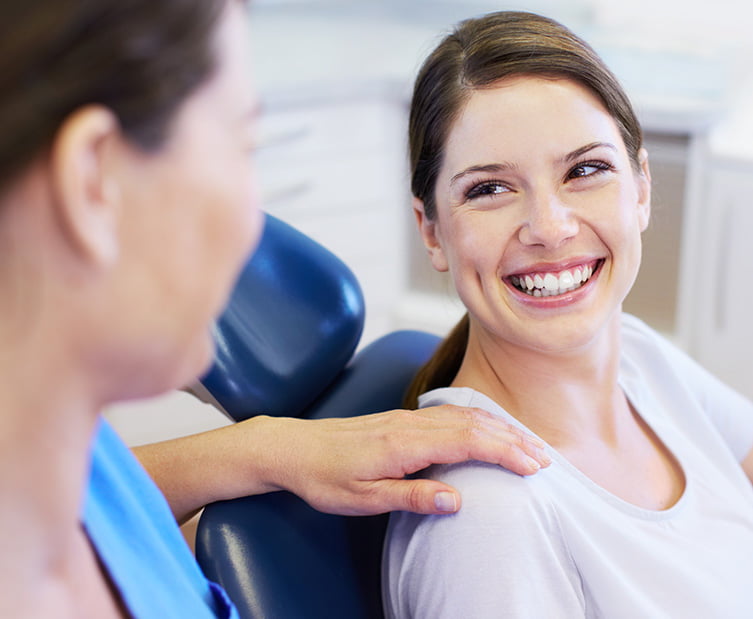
[548,222]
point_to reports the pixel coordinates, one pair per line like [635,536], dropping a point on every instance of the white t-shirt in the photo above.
[556,545]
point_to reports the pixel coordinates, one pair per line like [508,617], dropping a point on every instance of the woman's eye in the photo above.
[588,168]
[488,188]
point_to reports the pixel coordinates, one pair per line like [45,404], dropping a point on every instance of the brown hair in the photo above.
[477,54]
[140,58]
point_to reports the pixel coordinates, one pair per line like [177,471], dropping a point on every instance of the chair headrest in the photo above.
[292,323]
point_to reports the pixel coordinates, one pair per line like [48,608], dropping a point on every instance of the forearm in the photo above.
[220,464]
[354,465]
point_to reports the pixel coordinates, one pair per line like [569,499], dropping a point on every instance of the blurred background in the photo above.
[334,80]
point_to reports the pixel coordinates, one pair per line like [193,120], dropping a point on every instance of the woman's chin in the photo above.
[192,364]
[204,356]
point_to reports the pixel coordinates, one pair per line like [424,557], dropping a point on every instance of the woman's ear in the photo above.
[84,185]
[643,178]
[429,233]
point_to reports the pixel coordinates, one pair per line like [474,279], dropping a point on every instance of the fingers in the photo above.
[357,465]
[421,496]
[457,434]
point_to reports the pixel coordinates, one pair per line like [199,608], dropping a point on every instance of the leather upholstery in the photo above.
[292,323]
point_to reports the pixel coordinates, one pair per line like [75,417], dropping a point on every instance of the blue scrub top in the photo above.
[138,541]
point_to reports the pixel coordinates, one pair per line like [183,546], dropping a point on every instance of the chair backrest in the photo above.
[275,556]
[292,323]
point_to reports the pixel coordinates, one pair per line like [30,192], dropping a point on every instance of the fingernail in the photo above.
[445,502]
[544,458]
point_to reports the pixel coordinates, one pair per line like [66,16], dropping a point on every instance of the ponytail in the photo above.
[443,366]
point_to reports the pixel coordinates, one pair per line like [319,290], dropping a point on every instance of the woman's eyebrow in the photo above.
[489,167]
[579,152]
[506,166]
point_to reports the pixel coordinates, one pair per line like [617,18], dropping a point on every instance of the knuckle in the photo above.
[474,428]
[413,497]
[470,415]
[480,413]
[517,440]
[376,498]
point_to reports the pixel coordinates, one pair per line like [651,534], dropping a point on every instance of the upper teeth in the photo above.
[551,284]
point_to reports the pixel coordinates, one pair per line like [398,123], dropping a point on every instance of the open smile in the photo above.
[550,284]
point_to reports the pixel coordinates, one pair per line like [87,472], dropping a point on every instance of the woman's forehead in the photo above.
[526,113]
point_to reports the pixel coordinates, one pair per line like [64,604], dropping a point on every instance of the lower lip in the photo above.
[560,300]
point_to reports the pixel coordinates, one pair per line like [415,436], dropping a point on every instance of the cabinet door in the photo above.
[723,288]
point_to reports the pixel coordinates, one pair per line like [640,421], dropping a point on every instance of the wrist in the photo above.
[259,455]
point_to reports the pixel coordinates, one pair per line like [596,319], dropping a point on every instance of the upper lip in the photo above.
[554,267]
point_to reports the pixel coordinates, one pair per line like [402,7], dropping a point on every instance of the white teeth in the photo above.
[551,284]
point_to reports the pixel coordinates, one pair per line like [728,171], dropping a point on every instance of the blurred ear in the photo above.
[643,178]
[428,229]
[86,196]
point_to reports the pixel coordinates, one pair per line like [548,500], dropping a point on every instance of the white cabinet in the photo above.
[654,296]
[722,289]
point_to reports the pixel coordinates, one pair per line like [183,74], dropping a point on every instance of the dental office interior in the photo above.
[334,80]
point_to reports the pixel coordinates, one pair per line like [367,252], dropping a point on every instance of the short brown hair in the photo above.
[140,58]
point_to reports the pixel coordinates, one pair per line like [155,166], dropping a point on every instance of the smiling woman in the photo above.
[566,197]
[532,189]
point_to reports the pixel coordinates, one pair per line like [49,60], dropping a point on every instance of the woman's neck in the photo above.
[45,431]
[575,403]
[562,396]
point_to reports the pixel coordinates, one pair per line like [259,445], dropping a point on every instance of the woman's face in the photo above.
[191,216]
[539,213]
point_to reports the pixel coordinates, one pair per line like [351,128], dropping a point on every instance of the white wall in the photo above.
[167,416]
[691,23]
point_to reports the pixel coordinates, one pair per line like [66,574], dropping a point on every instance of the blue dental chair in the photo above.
[285,346]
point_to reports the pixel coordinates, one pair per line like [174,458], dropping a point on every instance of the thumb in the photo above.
[422,496]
